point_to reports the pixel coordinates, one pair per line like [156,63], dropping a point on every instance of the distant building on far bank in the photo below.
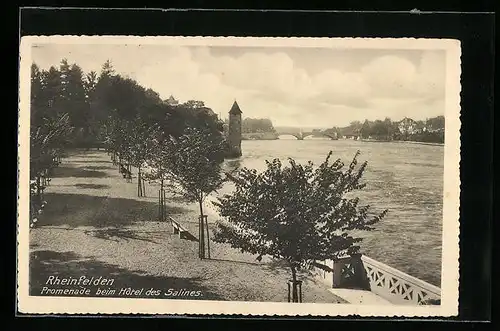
[407,126]
[171,101]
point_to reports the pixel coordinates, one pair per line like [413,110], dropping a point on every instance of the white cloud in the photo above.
[390,76]
[272,85]
[341,88]
[431,75]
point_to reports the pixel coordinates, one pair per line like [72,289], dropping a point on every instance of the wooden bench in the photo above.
[45,180]
[178,229]
[128,177]
[34,187]
[126,174]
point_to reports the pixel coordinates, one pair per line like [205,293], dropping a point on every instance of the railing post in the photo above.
[338,266]
[360,275]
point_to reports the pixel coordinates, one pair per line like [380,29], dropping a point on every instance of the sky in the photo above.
[306,87]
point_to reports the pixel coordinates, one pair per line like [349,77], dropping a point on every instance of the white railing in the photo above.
[362,272]
[397,286]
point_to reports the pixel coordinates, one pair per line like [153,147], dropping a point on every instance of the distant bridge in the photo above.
[300,135]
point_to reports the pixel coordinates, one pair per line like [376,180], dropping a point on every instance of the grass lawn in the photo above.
[95,225]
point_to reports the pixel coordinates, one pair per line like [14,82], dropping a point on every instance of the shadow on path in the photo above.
[92,186]
[188,236]
[93,161]
[114,234]
[87,210]
[178,199]
[97,167]
[234,261]
[90,155]
[44,264]
[63,171]
[276,267]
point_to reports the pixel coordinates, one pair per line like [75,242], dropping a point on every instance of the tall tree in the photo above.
[52,92]
[100,108]
[390,128]
[64,69]
[297,213]
[73,99]
[141,147]
[195,170]
[435,123]
[89,84]
[126,96]
[366,129]
[46,142]
[38,104]
[77,95]
[153,96]
[157,167]
[195,104]
[252,125]
[107,70]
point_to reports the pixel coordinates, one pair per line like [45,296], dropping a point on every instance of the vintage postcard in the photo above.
[249,176]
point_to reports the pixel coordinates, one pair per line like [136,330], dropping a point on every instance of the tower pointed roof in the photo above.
[235,109]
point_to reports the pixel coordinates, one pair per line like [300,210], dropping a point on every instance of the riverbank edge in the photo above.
[402,142]
[363,140]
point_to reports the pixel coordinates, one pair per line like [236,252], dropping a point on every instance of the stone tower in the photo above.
[234,131]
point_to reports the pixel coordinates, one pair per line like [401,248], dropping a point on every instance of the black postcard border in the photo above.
[475,31]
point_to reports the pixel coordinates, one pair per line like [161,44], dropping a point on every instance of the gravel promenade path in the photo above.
[94,225]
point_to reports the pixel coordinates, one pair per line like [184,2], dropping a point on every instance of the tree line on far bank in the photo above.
[296,213]
[431,130]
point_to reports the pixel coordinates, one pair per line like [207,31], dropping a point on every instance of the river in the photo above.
[406,179]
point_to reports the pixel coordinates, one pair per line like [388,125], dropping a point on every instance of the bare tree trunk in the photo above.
[202,232]
[162,202]
[295,295]
[208,238]
[38,191]
[159,205]
[139,183]
[164,205]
